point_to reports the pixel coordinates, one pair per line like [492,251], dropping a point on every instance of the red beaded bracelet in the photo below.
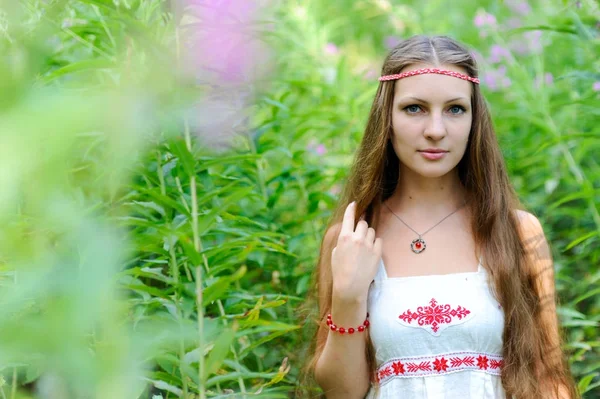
[350,330]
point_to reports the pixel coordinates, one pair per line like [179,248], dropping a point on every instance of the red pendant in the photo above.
[417,245]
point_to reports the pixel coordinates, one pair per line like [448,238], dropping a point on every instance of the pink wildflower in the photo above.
[495,80]
[548,80]
[520,7]
[331,49]
[498,53]
[391,41]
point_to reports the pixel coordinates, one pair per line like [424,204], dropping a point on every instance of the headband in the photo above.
[428,70]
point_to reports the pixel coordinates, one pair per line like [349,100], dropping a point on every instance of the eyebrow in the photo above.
[423,101]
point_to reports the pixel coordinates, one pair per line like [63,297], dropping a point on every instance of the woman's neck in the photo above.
[416,194]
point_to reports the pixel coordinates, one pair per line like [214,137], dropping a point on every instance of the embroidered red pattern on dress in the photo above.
[440,364]
[435,315]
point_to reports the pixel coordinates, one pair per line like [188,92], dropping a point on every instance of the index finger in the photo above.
[348,222]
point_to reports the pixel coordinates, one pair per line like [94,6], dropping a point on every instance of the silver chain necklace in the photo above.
[418,244]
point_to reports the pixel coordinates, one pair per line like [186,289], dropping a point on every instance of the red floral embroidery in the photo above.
[398,368]
[439,364]
[482,362]
[434,315]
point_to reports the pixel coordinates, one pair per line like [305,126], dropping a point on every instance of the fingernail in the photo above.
[353,203]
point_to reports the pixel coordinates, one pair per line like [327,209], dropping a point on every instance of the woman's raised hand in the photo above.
[355,258]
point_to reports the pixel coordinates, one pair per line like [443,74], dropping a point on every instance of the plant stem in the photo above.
[199,280]
[175,273]
[159,171]
[196,238]
[13,390]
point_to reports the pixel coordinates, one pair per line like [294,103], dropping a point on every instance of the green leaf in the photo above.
[207,220]
[585,296]
[219,352]
[167,387]
[585,382]
[79,66]
[581,239]
[235,375]
[179,148]
[261,341]
[221,284]
[584,194]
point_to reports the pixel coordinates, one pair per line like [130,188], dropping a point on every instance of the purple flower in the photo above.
[534,40]
[316,148]
[490,19]
[498,53]
[222,43]
[514,22]
[489,80]
[370,74]
[596,86]
[548,80]
[223,51]
[520,7]
[484,20]
[479,20]
[336,189]
[530,44]
[496,79]
[331,49]
[391,41]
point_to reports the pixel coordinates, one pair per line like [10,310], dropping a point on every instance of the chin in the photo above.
[431,171]
[432,174]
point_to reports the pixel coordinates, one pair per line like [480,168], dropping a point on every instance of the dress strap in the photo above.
[381,273]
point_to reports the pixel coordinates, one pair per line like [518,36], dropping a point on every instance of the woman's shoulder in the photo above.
[529,224]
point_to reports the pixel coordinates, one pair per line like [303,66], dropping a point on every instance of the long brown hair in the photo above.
[492,204]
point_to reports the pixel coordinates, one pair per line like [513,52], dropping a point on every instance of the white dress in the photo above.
[436,336]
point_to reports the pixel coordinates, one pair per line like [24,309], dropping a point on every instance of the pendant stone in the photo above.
[417,245]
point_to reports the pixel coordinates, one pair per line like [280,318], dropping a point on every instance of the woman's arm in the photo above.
[555,379]
[341,369]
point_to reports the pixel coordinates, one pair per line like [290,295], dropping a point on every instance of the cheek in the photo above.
[404,128]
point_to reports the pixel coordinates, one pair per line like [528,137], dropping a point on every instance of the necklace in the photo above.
[418,244]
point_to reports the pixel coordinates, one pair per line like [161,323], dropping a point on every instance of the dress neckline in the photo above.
[480,270]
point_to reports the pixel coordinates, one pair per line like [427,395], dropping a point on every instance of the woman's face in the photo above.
[431,111]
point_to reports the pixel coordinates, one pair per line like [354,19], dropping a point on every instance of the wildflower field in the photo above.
[168,167]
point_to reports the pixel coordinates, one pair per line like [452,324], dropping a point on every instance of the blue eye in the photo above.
[461,109]
[414,108]
[411,106]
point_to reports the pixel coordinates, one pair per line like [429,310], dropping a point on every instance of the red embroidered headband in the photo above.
[428,70]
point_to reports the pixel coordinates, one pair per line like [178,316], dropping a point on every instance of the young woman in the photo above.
[434,282]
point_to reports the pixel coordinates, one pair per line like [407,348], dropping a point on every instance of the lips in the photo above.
[431,155]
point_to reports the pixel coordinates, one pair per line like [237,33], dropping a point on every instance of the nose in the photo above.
[435,130]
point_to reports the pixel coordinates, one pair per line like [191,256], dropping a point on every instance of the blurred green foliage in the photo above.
[139,260]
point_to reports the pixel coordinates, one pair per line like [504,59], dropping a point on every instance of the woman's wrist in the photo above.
[347,329]
[344,299]
[345,314]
